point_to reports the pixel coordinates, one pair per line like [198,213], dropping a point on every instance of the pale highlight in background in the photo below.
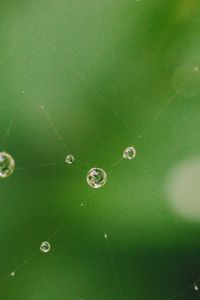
[183,188]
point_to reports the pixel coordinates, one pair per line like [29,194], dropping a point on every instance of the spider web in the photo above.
[93,258]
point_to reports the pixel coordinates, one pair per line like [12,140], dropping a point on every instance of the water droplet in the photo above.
[129,153]
[69,159]
[105,235]
[96,177]
[196,288]
[7,165]
[45,247]
[12,274]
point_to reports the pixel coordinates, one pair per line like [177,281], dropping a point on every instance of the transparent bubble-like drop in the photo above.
[12,274]
[45,247]
[196,288]
[69,159]
[7,165]
[129,153]
[96,178]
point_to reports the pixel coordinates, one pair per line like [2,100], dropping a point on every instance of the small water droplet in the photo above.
[12,274]
[129,153]
[7,165]
[105,235]
[196,288]
[96,177]
[45,247]
[69,159]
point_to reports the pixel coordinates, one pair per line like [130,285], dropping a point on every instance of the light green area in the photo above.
[108,74]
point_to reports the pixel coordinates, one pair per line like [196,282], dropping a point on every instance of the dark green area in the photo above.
[109,74]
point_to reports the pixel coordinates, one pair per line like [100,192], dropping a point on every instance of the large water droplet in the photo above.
[7,165]
[96,178]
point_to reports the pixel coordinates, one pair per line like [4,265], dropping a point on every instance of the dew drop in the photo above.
[45,247]
[12,274]
[69,159]
[129,153]
[96,178]
[105,235]
[7,165]
[196,288]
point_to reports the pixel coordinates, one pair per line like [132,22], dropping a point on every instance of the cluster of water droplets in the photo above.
[96,178]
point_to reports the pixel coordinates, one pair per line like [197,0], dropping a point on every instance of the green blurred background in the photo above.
[109,74]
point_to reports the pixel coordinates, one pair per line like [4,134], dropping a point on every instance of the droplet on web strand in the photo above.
[7,165]
[69,159]
[96,178]
[129,153]
[45,247]
[12,274]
